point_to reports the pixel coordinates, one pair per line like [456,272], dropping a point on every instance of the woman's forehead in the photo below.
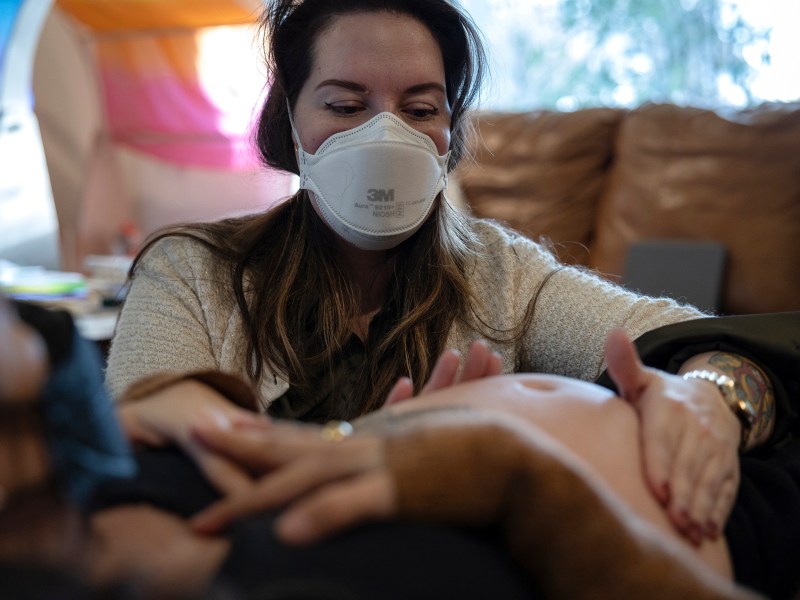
[370,48]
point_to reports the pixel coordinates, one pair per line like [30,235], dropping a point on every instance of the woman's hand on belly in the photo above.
[689,439]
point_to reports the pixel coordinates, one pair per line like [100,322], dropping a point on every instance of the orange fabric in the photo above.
[171,56]
[133,15]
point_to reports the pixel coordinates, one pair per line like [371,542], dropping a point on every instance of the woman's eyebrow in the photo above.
[358,87]
[342,83]
[425,87]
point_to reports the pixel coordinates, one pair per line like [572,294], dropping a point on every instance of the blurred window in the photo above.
[570,54]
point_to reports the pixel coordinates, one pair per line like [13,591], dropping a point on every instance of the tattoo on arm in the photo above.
[753,385]
[389,419]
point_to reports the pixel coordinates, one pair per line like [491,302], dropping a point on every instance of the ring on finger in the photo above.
[336,431]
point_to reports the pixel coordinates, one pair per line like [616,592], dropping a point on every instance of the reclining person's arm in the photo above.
[461,466]
[565,527]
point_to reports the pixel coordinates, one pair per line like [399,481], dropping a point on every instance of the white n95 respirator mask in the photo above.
[375,184]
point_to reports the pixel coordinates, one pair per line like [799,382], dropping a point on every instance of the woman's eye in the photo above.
[343,109]
[422,112]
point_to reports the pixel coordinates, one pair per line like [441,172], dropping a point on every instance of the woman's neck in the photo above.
[369,271]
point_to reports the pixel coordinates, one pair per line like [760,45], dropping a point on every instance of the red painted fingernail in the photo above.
[202,433]
[712,530]
[294,528]
[696,535]
[202,523]
[683,514]
[252,423]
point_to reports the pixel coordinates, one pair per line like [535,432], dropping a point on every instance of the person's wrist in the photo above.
[741,409]
[227,385]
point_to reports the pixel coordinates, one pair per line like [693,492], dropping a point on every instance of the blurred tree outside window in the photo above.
[571,54]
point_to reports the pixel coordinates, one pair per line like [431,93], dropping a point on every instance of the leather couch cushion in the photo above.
[541,173]
[685,173]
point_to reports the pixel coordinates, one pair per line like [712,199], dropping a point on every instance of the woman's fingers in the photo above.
[690,453]
[444,372]
[476,364]
[661,434]
[713,461]
[226,476]
[658,436]
[305,469]
[270,492]
[480,362]
[625,367]
[723,504]
[687,485]
[725,496]
[260,450]
[402,390]
[336,507]
[702,504]
[138,432]
[658,433]
[699,473]
[495,365]
[685,429]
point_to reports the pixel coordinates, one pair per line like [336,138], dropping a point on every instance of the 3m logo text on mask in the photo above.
[376,195]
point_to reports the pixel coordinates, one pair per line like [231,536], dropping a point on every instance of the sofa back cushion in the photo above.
[541,173]
[685,173]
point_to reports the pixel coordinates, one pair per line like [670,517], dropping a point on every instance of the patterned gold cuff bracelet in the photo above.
[740,407]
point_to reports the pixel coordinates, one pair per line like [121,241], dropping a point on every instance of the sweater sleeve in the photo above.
[164,325]
[574,308]
[570,534]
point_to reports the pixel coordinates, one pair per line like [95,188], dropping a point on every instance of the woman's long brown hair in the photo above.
[297,305]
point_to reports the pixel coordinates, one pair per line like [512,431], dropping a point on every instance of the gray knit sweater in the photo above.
[180,315]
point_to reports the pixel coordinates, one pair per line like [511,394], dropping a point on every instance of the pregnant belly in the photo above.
[597,427]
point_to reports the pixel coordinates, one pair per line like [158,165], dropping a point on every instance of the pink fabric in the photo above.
[158,103]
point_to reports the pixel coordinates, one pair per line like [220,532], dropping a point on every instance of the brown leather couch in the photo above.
[595,181]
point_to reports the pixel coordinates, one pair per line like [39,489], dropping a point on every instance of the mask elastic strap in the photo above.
[299,152]
[291,123]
